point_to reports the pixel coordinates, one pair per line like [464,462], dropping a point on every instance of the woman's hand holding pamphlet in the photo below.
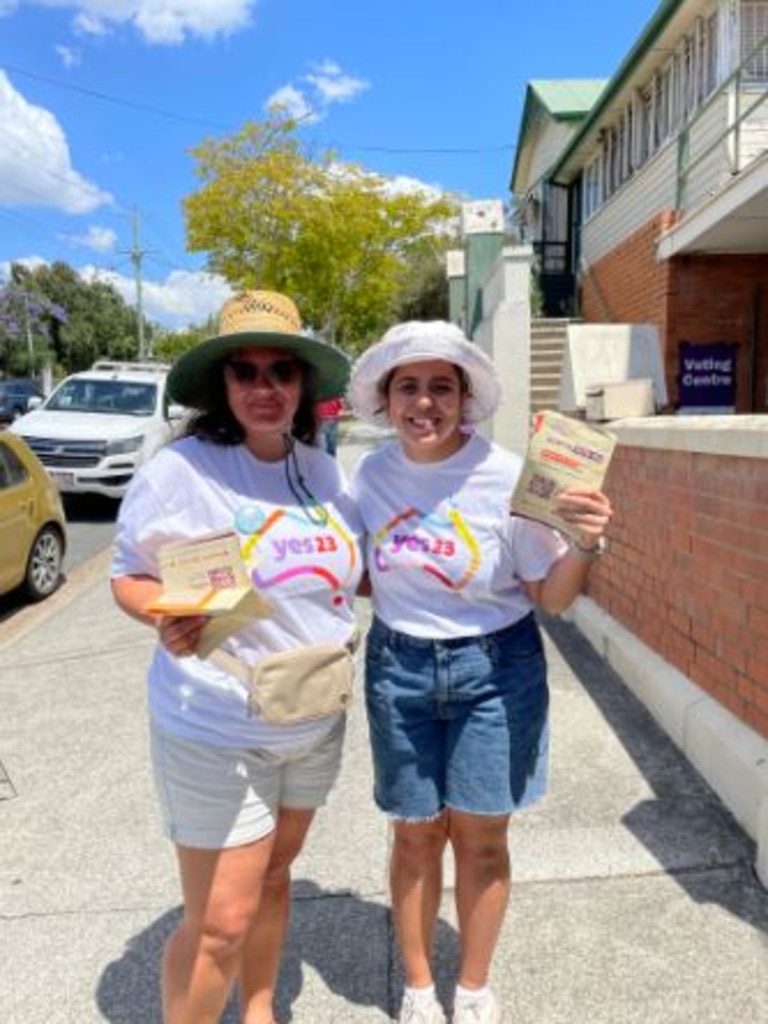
[563,452]
[207,576]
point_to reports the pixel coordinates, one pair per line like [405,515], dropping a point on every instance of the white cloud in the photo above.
[184,298]
[35,163]
[70,57]
[160,22]
[328,84]
[403,185]
[333,85]
[294,103]
[97,238]
[30,262]
[89,25]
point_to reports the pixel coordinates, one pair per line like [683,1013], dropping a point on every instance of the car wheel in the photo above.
[44,564]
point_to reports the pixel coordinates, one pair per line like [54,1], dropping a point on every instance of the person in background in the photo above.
[456,685]
[330,413]
[238,793]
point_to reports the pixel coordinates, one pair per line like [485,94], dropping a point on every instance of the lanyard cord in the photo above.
[315,512]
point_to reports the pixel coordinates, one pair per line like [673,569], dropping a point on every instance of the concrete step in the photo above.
[548,339]
[553,321]
[545,360]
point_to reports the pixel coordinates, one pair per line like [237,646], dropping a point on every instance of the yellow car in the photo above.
[33,527]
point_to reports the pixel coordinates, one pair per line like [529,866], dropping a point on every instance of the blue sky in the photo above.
[101,100]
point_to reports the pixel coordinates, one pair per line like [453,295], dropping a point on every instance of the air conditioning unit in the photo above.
[619,399]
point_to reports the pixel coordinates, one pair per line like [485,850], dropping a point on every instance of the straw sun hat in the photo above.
[256,319]
[415,342]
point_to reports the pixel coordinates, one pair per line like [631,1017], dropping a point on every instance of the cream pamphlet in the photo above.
[562,452]
[207,576]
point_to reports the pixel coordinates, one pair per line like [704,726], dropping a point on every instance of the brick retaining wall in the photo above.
[688,570]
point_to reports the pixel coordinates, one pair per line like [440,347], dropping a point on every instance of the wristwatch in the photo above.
[589,553]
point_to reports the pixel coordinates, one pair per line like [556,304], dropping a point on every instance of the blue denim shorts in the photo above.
[459,723]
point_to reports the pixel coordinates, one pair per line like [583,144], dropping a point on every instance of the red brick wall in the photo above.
[629,285]
[688,569]
[722,298]
[689,298]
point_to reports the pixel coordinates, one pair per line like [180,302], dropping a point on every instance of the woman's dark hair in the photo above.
[216,423]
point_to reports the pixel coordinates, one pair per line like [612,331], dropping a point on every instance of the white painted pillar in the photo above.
[505,335]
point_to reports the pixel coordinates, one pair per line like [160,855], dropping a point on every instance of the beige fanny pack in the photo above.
[297,685]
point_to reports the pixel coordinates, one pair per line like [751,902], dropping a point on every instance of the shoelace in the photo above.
[414,1011]
[472,1009]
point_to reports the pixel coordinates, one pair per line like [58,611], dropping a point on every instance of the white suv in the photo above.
[97,427]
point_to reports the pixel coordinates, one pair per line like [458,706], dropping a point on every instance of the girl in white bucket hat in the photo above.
[456,685]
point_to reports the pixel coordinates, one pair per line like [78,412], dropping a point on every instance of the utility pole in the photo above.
[28,333]
[137,254]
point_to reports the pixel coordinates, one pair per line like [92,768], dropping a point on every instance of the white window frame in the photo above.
[658,109]
[753,26]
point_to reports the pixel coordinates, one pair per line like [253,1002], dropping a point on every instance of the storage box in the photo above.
[619,399]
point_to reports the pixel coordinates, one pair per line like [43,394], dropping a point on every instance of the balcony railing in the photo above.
[743,93]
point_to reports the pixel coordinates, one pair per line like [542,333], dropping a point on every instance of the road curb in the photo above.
[82,578]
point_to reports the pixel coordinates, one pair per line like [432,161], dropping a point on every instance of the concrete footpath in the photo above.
[634,896]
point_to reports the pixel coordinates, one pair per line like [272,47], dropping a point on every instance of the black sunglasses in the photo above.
[279,373]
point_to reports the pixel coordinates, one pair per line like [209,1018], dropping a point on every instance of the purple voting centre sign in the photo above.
[707,376]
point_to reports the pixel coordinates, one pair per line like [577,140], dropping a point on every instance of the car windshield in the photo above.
[110,396]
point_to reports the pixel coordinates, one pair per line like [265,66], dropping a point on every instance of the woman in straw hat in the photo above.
[237,789]
[455,674]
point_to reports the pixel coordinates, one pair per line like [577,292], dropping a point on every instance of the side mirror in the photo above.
[176,412]
[34,402]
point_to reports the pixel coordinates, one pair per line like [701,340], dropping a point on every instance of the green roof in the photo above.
[564,99]
[568,98]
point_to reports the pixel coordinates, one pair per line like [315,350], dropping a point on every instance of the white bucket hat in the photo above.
[416,342]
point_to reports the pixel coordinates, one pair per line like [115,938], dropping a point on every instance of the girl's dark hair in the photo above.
[216,423]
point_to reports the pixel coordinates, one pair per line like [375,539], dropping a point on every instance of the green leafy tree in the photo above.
[338,239]
[96,322]
[427,295]
[28,321]
[169,345]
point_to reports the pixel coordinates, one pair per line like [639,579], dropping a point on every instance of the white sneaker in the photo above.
[483,1010]
[420,1011]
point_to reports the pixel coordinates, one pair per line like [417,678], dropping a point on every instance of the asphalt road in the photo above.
[91,525]
[90,528]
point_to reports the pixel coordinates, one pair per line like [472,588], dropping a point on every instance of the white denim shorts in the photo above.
[218,797]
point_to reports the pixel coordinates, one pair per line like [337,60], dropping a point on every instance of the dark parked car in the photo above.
[15,393]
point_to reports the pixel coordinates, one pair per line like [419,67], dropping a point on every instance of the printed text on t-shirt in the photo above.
[438,546]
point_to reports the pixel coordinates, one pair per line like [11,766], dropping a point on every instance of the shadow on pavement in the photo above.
[689,832]
[347,941]
[90,508]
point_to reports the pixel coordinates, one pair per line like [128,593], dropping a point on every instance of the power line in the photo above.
[456,150]
[12,215]
[176,116]
[96,94]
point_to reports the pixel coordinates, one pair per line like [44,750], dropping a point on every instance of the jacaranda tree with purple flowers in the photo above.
[26,319]
[51,315]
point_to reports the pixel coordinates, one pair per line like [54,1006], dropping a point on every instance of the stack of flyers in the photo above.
[562,452]
[207,576]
